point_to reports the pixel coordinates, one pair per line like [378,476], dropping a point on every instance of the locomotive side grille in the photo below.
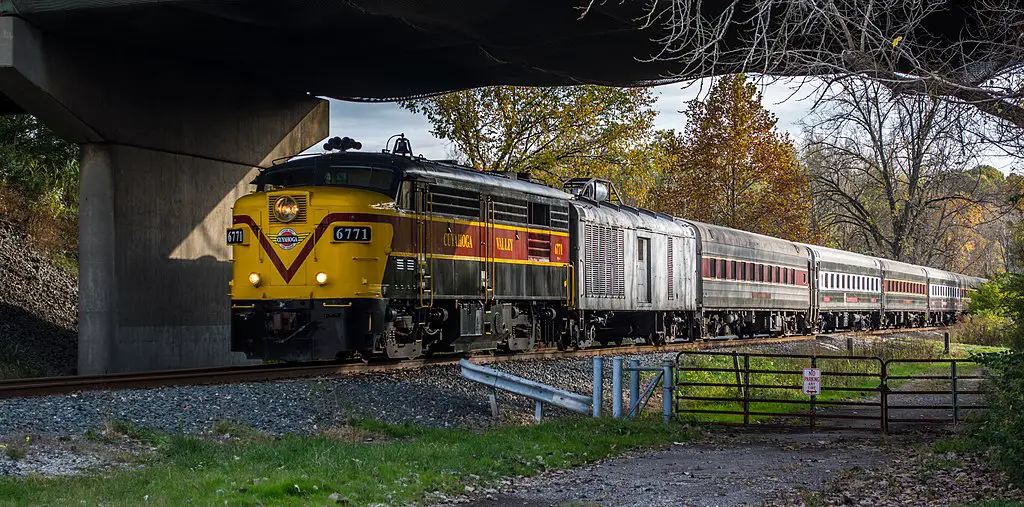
[510,210]
[588,257]
[300,199]
[538,246]
[560,217]
[671,269]
[603,254]
[603,277]
[453,201]
[618,273]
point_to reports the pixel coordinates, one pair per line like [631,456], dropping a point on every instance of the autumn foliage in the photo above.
[731,167]
[553,133]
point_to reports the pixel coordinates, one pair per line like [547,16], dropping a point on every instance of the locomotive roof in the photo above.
[424,169]
[606,213]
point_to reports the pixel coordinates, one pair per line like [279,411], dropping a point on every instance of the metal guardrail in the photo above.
[540,393]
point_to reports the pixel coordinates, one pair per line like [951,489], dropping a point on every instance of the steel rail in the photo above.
[33,387]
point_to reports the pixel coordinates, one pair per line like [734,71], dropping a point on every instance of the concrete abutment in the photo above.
[166,149]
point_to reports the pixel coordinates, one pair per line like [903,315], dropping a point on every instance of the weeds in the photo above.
[240,432]
[54,232]
[984,329]
[116,429]
[17,448]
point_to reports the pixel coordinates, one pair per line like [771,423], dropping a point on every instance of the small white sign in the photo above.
[812,381]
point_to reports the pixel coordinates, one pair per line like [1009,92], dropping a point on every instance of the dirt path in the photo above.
[723,469]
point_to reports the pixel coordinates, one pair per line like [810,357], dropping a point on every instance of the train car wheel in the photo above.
[569,337]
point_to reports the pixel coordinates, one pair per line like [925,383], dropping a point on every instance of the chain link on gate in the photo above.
[742,388]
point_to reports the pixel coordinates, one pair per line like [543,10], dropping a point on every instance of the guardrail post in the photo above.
[493,398]
[945,339]
[634,387]
[953,380]
[666,393]
[849,346]
[538,412]
[616,387]
[598,384]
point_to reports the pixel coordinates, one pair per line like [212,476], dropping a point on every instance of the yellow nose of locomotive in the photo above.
[310,243]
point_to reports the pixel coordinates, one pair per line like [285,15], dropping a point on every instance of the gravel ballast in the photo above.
[435,396]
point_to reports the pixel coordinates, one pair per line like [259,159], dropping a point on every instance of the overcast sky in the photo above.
[373,124]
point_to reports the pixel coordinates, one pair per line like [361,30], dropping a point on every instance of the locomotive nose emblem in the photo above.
[287,238]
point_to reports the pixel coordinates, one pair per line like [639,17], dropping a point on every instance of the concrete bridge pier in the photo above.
[167,147]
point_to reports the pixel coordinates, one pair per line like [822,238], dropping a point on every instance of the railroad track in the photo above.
[17,388]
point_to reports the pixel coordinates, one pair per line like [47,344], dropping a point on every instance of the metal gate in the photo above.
[946,394]
[746,388]
[863,392]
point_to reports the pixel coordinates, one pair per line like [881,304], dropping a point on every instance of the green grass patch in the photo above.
[406,465]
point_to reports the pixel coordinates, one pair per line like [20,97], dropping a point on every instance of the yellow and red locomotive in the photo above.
[387,254]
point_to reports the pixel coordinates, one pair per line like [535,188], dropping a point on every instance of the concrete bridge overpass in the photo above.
[175,102]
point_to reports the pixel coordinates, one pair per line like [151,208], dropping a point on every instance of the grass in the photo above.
[404,464]
[844,379]
[16,448]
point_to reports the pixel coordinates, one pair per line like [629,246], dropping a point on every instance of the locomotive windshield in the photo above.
[332,173]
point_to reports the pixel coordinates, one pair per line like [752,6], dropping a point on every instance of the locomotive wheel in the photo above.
[590,338]
[657,339]
[568,338]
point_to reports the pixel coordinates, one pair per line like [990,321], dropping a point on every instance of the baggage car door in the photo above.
[643,269]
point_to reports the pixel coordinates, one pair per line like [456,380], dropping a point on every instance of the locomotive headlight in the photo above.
[321,278]
[286,209]
[254,279]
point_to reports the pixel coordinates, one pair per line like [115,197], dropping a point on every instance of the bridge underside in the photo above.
[373,49]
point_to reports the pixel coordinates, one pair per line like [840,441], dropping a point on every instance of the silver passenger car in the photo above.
[847,288]
[906,294]
[752,283]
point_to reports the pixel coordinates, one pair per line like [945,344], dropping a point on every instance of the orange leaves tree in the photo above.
[731,167]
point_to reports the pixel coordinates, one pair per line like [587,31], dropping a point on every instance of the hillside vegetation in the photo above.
[38,250]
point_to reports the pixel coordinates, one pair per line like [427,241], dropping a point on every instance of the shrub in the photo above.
[984,328]
[1002,429]
[17,448]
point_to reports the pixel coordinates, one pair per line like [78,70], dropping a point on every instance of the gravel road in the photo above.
[726,468]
